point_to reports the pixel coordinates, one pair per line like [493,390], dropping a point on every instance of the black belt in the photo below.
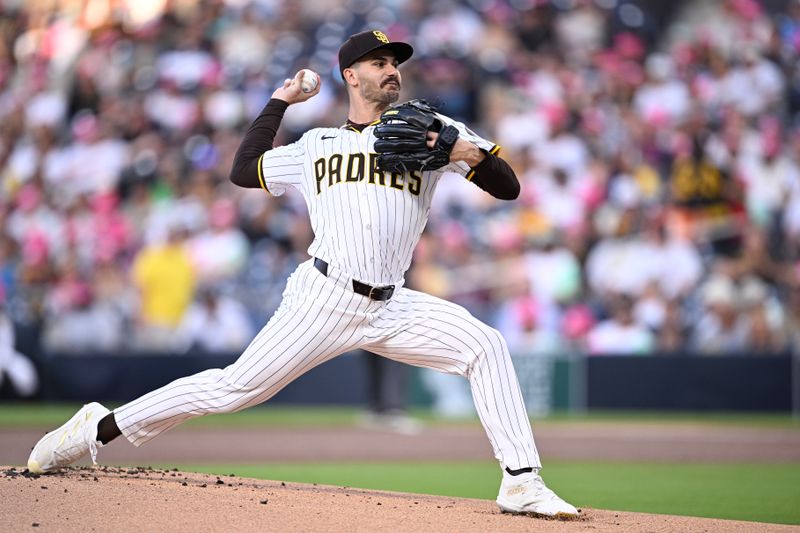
[380,294]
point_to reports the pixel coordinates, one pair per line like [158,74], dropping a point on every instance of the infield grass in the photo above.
[757,492]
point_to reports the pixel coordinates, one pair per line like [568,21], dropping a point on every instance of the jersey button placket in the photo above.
[365,209]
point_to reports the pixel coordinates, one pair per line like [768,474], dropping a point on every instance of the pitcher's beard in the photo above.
[381,96]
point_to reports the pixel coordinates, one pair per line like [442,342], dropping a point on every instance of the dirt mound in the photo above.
[146,499]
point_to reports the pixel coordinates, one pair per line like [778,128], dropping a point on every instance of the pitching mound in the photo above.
[137,499]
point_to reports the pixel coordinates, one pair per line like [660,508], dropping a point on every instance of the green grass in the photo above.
[36,415]
[773,420]
[49,415]
[757,492]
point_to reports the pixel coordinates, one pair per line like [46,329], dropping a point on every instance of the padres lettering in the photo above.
[353,168]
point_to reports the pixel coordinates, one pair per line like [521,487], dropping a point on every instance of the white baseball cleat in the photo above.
[70,442]
[527,493]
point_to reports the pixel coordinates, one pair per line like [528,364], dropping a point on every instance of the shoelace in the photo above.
[93,451]
[542,489]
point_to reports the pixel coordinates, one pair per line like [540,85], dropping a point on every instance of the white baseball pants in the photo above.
[321,317]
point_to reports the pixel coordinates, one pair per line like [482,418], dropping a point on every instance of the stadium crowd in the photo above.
[657,145]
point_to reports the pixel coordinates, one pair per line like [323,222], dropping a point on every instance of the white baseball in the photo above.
[308,82]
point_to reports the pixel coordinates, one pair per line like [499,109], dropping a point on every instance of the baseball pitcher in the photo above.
[368,186]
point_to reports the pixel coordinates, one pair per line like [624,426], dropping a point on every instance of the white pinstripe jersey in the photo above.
[365,222]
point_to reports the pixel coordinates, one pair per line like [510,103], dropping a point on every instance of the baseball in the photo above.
[308,82]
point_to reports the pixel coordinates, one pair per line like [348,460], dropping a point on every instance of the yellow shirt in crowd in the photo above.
[166,281]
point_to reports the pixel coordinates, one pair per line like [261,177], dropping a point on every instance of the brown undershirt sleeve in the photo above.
[257,140]
[496,177]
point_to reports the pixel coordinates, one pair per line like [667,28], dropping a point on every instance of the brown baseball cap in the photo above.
[360,44]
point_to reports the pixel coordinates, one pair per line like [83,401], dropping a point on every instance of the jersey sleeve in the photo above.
[460,167]
[282,167]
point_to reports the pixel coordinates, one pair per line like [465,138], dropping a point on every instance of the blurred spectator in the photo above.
[522,323]
[722,329]
[755,85]
[753,258]
[14,366]
[557,199]
[165,277]
[564,150]
[673,333]
[553,271]
[764,317]
[220,252]
[792,322]
[450,28]
[621,263]
[580,30]
[768,176]
[695,180]
[790,218]
[663,99]
[76,322]
[34,221]
[675,265]
[651,309]
[9,259]
[620,334]
[214,323]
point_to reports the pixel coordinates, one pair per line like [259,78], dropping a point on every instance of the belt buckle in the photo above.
[371,290]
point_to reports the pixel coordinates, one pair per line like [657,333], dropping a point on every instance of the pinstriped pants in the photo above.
[321,317]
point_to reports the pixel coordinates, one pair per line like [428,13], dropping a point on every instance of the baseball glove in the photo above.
[402,138]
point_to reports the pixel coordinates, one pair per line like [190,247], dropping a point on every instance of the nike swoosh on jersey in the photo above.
[328,137]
